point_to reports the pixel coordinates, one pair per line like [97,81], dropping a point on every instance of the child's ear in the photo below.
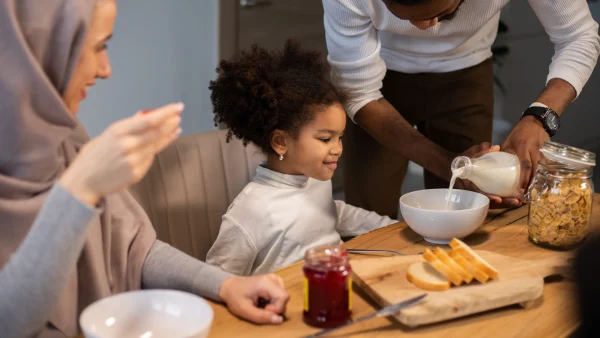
[279,141]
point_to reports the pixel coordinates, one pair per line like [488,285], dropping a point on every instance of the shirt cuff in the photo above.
[569,75]
[72,206]
[352,107]
[209,282]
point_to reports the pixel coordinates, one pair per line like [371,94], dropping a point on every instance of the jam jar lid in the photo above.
[327,257]
[570,156]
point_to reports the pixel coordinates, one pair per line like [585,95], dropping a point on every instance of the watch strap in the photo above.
[540,112]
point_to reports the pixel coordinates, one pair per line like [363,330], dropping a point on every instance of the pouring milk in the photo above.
[495,173]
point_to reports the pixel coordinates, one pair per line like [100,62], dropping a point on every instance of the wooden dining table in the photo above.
[504,232]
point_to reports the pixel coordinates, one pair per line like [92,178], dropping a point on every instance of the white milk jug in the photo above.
[496,173]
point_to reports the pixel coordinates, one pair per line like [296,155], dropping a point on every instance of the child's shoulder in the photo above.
[250,212]
[251,201]
[256,191]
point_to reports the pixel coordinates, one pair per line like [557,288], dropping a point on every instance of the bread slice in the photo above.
[479,275]
[463,249]
[443,256]
[444,269]
[424,276]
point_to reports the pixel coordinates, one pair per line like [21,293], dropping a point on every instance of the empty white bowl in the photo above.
[148,314]
[425,213]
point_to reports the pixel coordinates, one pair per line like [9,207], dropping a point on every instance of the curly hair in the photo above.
[260,91]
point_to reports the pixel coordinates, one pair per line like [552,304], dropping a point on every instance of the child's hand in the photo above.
[122,154]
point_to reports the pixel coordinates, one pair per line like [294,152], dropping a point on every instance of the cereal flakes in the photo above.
[559,216]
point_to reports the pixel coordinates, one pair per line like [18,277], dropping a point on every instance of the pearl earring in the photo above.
[281,157]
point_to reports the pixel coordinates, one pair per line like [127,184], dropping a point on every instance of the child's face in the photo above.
[318,147]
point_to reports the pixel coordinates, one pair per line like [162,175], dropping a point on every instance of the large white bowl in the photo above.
[425,212]
[148,314]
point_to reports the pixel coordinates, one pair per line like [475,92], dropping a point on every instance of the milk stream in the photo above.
[495,173]
[455,173]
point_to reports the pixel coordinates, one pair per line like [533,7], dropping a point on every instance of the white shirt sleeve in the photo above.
[574,33]
[354,46]
[353,221]
[233,251]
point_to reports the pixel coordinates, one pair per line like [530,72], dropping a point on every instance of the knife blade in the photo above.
[386,311]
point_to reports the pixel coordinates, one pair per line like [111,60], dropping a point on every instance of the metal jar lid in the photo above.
[567,155]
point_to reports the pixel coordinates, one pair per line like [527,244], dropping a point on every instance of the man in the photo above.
[427,63]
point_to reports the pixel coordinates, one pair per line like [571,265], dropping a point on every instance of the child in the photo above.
[286,104]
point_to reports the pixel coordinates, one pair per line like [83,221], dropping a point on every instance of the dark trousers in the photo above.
[454,110]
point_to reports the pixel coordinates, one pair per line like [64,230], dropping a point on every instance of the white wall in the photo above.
[161,52]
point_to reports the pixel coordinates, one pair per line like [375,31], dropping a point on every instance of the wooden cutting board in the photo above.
[520,282]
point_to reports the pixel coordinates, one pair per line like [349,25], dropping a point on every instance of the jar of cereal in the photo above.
[561,196]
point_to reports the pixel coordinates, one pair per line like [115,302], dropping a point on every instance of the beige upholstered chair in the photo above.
[191,184]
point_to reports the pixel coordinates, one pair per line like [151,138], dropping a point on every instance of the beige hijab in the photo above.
[40,41]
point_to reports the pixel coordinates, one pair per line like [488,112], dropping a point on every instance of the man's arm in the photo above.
[354,47]
[383,122]
[557,95]
[572,29]
[574,33]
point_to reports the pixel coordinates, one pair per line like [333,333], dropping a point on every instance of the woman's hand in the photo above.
[122,154]
[244,295]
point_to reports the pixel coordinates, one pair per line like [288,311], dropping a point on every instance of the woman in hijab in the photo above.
[90,239]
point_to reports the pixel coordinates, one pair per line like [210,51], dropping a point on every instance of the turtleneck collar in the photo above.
[276,179]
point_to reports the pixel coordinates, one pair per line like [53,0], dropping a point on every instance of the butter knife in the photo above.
[367,251]
[386,311]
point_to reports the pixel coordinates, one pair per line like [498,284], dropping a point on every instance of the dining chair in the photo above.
[191,184]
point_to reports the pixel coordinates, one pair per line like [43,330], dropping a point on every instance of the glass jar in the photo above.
[560,196]
[327,287]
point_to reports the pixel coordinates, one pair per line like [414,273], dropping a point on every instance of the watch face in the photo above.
[552,121]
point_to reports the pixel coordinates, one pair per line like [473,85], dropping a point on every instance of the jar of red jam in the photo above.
[327,287]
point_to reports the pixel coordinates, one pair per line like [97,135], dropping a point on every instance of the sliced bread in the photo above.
[444,269]
[443,256]
[424,276]
[461,248]
[479,275]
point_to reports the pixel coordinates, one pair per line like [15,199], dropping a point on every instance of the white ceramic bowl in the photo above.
[148,314]
[425,212]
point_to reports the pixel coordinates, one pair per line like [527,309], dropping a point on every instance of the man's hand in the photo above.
[479,150]
[495,201]
[525,141]
[528,136]
[244,295]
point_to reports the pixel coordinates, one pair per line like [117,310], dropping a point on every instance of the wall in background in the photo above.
[161,52]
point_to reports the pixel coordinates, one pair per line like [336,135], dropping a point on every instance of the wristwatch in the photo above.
[548,117]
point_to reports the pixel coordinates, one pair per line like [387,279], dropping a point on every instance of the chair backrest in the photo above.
[190,186]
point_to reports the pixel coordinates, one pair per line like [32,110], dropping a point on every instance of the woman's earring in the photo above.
[281,157]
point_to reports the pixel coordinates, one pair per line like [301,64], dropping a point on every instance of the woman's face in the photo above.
[93,62]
